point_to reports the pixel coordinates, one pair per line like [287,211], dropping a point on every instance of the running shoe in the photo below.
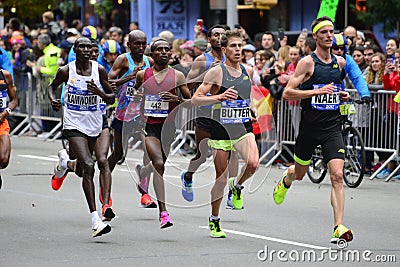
[56,183]
[101,198]
[341,232]
[215,229]
[383,174]
[280,191]
[147,202]
[107,213]
[237,198]
[165,221]
[229,204]
[187,188]
[396,177]
[59,170]
[100,228]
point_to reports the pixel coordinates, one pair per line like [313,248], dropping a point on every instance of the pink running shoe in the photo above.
[165,221]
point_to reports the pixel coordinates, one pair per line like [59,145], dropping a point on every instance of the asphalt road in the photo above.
[41,227]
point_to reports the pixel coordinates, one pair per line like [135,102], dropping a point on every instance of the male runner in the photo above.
[230,86]
[202,131]
[160,85]
[101,150]
[123,73]
[82,118]
[319,78]
[7,88]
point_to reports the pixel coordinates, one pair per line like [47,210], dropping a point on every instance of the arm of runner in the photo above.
[60,78]
[303,71]
[107,95]
[196,73]
[138,83]
[211,84]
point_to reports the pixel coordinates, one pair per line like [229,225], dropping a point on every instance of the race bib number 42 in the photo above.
[237,111]
[155,107]
[326,101]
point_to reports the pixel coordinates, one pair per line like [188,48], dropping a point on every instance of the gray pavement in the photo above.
[41,227]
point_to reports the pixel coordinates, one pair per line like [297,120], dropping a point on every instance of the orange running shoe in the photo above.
[56,183]
[147,202]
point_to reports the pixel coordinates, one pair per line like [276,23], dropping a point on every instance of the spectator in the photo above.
[294,57]
[351,34]
[262,61]
[360,39]
[134,25]
[4,45]
[358,56]
[117,34]
[248,54]
[268,43]
[199,46]
[177,52]
[200,32]
[391,45]
[168,36]
[283,59]
[309,46]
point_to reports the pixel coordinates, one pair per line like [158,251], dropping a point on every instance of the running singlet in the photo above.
[155,110]
[322,111]
[82,108]
[204,112]
[231,119]
[3,92]
[127,109]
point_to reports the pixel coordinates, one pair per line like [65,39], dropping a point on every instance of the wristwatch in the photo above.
[8,110]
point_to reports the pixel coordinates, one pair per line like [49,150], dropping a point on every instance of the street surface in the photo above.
[42,227]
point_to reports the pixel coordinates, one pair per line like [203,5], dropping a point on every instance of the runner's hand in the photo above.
[344,96]
[56,104]
[168,97]
[327,89]
[92,87]
[229,94]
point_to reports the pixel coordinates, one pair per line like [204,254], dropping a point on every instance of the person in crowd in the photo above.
[199,46]
[248,54]
[111,50]
[359,58]
[360,39]
[391,45]
[263,63]
[351,34]
[268,43]
[309,46]
[117,34]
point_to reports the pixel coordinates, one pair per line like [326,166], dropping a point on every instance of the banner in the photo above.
[328,8]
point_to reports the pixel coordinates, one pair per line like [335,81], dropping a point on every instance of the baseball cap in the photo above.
[249,47]
[187,45]
[73,31]
[200,43]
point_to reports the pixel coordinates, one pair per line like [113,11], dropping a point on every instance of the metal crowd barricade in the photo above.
[184,122]
[378,125]
[34,105]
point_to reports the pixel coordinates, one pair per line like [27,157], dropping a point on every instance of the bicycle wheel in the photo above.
[354,165]
[317,169]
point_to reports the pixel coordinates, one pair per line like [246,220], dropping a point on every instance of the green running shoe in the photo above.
[215,229]
[341,232]
[237,198]
[280,190]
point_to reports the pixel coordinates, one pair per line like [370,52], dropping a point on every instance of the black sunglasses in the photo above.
[338,48]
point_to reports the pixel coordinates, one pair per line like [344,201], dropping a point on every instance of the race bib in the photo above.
[233,112]
[3,100]
[326,101]
[102,106]
[130,91]
[155,107]
[81,99]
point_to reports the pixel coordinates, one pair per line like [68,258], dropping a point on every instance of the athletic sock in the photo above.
[214,218]
[186,178]
[95,217]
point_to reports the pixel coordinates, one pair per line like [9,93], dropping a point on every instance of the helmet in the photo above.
[340,40]
[90,32]
[111,46]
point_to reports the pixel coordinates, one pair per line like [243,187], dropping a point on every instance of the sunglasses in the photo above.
[368,55]
[338,48]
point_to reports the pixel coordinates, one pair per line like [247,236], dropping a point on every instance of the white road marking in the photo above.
[38,157]
[283,241]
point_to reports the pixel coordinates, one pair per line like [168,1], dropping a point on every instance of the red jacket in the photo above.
[392,82]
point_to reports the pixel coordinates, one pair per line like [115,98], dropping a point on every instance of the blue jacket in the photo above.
[351,68]
[5,62]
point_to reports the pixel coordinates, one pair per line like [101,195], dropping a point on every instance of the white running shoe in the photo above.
[100,228]
[59,171]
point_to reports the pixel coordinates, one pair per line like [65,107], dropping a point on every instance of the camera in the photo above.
[237,26]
